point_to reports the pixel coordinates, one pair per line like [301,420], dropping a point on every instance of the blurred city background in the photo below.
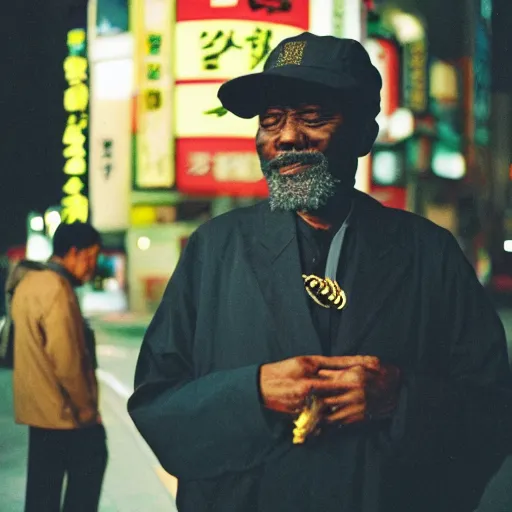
[110,115]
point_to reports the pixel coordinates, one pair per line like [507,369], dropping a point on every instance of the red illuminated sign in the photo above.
[211,165]
[297,15]
[219,40]
[392,197]
[385,57]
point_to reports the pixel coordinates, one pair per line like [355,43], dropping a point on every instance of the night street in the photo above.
[253,167]
[135,482]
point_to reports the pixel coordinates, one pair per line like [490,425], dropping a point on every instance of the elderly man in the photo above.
[364,325]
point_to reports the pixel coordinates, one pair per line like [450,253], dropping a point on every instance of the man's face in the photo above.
[302,147]
[84,262]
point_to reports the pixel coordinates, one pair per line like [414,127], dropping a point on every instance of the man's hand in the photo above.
[285,385]
[367,393]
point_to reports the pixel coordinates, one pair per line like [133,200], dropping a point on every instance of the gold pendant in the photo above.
[325,292]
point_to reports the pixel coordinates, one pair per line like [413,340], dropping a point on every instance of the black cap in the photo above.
[341,65]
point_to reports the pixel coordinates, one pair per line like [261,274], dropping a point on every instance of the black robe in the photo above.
[237,300]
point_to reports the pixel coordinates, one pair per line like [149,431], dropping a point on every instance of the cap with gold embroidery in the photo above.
[341,65]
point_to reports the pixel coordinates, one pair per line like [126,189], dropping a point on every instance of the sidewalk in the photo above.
[134,324]
[13,450]
[134,481]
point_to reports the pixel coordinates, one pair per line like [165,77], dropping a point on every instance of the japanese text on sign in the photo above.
[216,44]
[221,49]
[271,5]
[153,96]
[416,82]
[107,157]
[154,158]
[228,166]
[75,205]
[220,43]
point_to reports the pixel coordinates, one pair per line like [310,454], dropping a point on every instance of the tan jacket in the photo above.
[54,382]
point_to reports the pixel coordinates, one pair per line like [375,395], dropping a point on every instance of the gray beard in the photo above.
[306,191]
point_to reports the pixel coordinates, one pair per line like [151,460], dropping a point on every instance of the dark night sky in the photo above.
[32,84]
[32,36]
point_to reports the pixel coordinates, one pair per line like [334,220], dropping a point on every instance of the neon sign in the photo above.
[416,76]
[75,205]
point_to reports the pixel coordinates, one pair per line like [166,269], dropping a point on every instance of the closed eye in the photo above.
[270,119]
[315,117]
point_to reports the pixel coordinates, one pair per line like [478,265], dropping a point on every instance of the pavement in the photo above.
[135,481]
[129,323]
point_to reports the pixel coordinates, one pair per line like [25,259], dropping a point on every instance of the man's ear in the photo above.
[73,252]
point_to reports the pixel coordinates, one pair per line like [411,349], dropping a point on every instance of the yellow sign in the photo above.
[416,77]
[75,205]
[154,143]
[191,103]
[143,215]
[220,49]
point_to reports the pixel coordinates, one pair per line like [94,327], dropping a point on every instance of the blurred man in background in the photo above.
[55,387]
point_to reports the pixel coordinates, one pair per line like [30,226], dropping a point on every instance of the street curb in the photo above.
[133,329]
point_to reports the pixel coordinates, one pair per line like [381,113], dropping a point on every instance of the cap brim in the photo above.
[248,95]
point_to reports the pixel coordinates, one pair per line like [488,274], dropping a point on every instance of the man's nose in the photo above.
[291,137]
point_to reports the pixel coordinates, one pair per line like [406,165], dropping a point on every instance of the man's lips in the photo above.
[290,170]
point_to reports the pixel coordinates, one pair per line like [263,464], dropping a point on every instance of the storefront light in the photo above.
[448,164]
[507,245]
[39,247]
[401,124]
[383,122]
[52,219]
[111,285]
[486,9]
[408,28]
[386,168]
[444,85]
[143,243]
[37,223]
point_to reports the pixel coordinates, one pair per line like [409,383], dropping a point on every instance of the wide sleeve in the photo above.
[197,427]
[462,411]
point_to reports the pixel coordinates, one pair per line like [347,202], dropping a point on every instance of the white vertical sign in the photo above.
[112,72]
[340,18]
[322,17]
[354,20]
